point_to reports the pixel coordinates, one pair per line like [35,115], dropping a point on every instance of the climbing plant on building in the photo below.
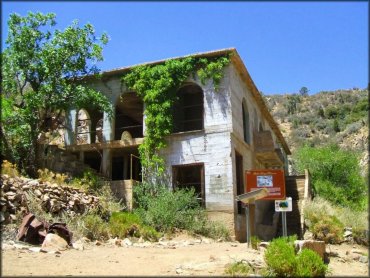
[157,86]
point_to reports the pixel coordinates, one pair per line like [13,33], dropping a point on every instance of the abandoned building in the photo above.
[217,137]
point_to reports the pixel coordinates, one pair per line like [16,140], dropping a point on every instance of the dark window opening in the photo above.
[246,124]
[190,176]
[129,116]
[188,110]
[239,180]
[126,166]
[93,159]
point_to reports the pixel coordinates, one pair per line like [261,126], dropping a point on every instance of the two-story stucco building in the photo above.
[217,137]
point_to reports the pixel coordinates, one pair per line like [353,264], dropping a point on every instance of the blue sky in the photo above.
[284,45]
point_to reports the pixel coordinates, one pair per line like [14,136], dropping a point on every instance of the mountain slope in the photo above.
[339,117]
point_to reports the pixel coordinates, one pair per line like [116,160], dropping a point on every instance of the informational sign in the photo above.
[283,205]
[273,180]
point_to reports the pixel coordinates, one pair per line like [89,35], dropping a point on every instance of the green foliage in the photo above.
[41,78]
[328,229]
[280,257]
[238,268]
[124,224]
[9,169]
[95,228]
[335,174]
[310,264]
[292,103]
[303,91]
[255,241]
[157,86]
[282,261]
[336,125]
[47,175]
[88,181]
[335,218]
[168,210]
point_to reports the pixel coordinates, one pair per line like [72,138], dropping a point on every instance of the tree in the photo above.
[43,70]
[292,103]
[303,91]
[335,174]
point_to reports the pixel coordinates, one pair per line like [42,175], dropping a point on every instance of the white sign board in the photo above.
[283,205]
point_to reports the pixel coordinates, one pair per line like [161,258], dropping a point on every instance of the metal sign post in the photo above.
[283,206]
[246,199]
[248,228]
[283,216]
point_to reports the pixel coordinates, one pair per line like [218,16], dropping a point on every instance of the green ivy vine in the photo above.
[157,86]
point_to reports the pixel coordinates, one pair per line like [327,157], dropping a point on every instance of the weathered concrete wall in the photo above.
[123,189]
[210,146]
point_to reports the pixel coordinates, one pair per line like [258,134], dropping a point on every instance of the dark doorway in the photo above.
[190,176]
[93,159]
[239,179]
[117,168]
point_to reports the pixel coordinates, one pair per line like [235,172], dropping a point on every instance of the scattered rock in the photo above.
[98,243]
[53,242]
[35,249]
[264,244]
[78,245]
[363,259]
[127,242]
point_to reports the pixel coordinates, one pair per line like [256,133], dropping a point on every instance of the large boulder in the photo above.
[315,245]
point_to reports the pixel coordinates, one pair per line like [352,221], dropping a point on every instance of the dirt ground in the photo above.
[180,256]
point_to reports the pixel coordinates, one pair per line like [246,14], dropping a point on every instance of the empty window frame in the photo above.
[188,110]
[246,123]
[190,176]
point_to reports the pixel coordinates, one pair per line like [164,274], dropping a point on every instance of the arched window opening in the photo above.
[129,116]
[246,123]
[83,127]
[188,110]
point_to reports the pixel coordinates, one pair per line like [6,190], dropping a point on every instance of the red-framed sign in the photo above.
[273,180]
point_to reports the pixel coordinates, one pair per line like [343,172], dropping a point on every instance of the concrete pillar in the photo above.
[108,135]
[71,130]
[107,163]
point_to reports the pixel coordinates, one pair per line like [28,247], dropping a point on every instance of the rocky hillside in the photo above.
[339,117]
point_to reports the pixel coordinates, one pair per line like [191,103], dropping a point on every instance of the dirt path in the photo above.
[172,258]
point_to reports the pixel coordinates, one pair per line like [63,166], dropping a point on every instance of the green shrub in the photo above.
[328,229]
[280,257]
[319,209]
[89,181]
[309,264]
[95,228]
[167,210]
[124,224]
[239,268]
[7,168]
[335,174]
[282,261]
[255,241]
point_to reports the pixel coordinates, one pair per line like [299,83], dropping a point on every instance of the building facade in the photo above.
[218,135]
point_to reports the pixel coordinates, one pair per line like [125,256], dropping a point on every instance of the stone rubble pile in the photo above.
[53,198]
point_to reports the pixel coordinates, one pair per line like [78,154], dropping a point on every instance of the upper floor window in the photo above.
[188,110]
[246,123]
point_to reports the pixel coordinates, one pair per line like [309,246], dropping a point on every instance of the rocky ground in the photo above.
[179,256]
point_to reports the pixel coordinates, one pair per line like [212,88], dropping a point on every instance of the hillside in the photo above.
[339,117]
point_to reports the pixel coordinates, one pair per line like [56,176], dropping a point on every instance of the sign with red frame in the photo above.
[273,180]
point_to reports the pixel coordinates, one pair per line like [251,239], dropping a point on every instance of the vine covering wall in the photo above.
[157,86]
